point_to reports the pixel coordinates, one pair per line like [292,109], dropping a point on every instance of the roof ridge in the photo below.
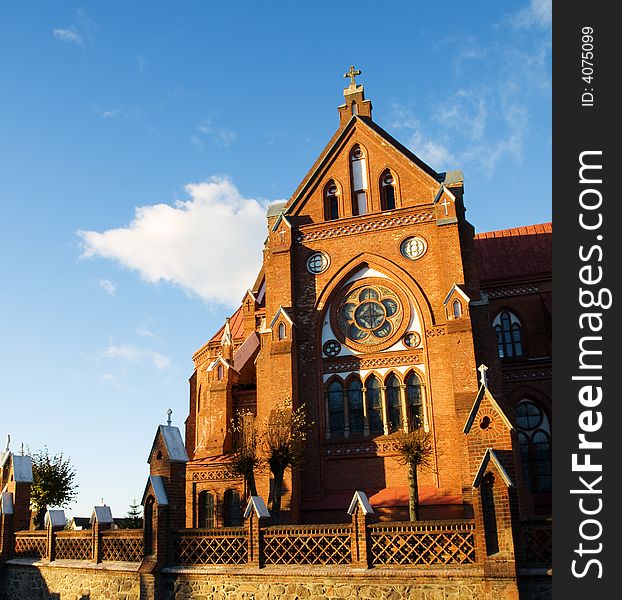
[536,228]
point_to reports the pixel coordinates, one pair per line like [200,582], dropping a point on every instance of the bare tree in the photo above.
[245,458]
[416,450]
[285,440]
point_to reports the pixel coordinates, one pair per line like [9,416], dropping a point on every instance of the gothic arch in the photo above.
[397,275]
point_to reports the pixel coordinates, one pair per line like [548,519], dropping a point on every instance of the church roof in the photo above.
[333,143]
[173,441]
[515,253]
[236,324]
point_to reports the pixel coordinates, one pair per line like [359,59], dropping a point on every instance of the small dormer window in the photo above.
[358,171]
[387,191]
[282,331]
[220,372]
[331,201]
[456,309]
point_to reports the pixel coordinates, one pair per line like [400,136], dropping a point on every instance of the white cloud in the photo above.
[108,287]
[465,111]
[70,36]
[209,245]
[537,14]
[222,135]
[124,352]
[129,353]
[433,152]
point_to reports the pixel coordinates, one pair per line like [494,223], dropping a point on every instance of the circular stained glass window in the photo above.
[413,247]
[318,263]
[528,415]
[412,339]
[332,348]
[369,315]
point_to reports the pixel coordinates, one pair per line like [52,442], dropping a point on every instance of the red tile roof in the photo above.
[236,324]
[515,253]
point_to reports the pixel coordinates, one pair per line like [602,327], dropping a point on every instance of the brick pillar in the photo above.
[97,540]
[254,525]
[361,554]
[51,543]
[6,536]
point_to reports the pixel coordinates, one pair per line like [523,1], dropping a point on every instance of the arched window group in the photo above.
[534,438]
[229,513]
[507,327]
[373,406]
[333,206]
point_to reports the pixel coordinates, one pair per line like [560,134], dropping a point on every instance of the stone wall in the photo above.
[62,582]
[21,580]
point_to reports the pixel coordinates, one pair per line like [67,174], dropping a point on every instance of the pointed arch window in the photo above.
[374,402]
[358,173]
[148,526]
[220,372]
[331,201]
[232,516]
[456,309]
[508,328]
[534,438]
[336,420]
[414,401]
[355,406]
[206,510]
[394,403]
[387,191]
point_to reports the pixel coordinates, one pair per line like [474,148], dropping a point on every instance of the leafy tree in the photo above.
[52,483]
[134,519]
[245,458]
[285,439]
[415,450]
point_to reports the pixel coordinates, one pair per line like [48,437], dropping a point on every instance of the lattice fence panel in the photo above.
[30,546]
[226,546]
[76,548]
[538,544]
[319,545]
[123,549]
[410,544]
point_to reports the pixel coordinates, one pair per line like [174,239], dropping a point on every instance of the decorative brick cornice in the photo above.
[213,475]
[353,363]
[421,216]
[513,291]
[370,448]
[436,331]
[532,374]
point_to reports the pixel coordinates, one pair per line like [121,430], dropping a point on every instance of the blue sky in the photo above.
[140,145]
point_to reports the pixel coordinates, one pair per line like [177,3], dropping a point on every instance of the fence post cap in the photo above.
[257,504]
[55,518]
[360,500]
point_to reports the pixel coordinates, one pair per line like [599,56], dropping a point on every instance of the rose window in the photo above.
[370,315]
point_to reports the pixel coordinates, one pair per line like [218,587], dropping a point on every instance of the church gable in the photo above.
[362,172]
[487,419]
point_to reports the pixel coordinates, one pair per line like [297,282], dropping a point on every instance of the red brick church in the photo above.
[375,306]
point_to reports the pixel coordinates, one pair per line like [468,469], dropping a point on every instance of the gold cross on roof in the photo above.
[352,73]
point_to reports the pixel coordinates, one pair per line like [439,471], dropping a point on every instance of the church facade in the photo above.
[376,306]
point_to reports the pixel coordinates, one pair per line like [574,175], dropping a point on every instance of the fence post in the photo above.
[51,543]
[256,515]
[7,532]
[359,510]
[361,555]
[101,519]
